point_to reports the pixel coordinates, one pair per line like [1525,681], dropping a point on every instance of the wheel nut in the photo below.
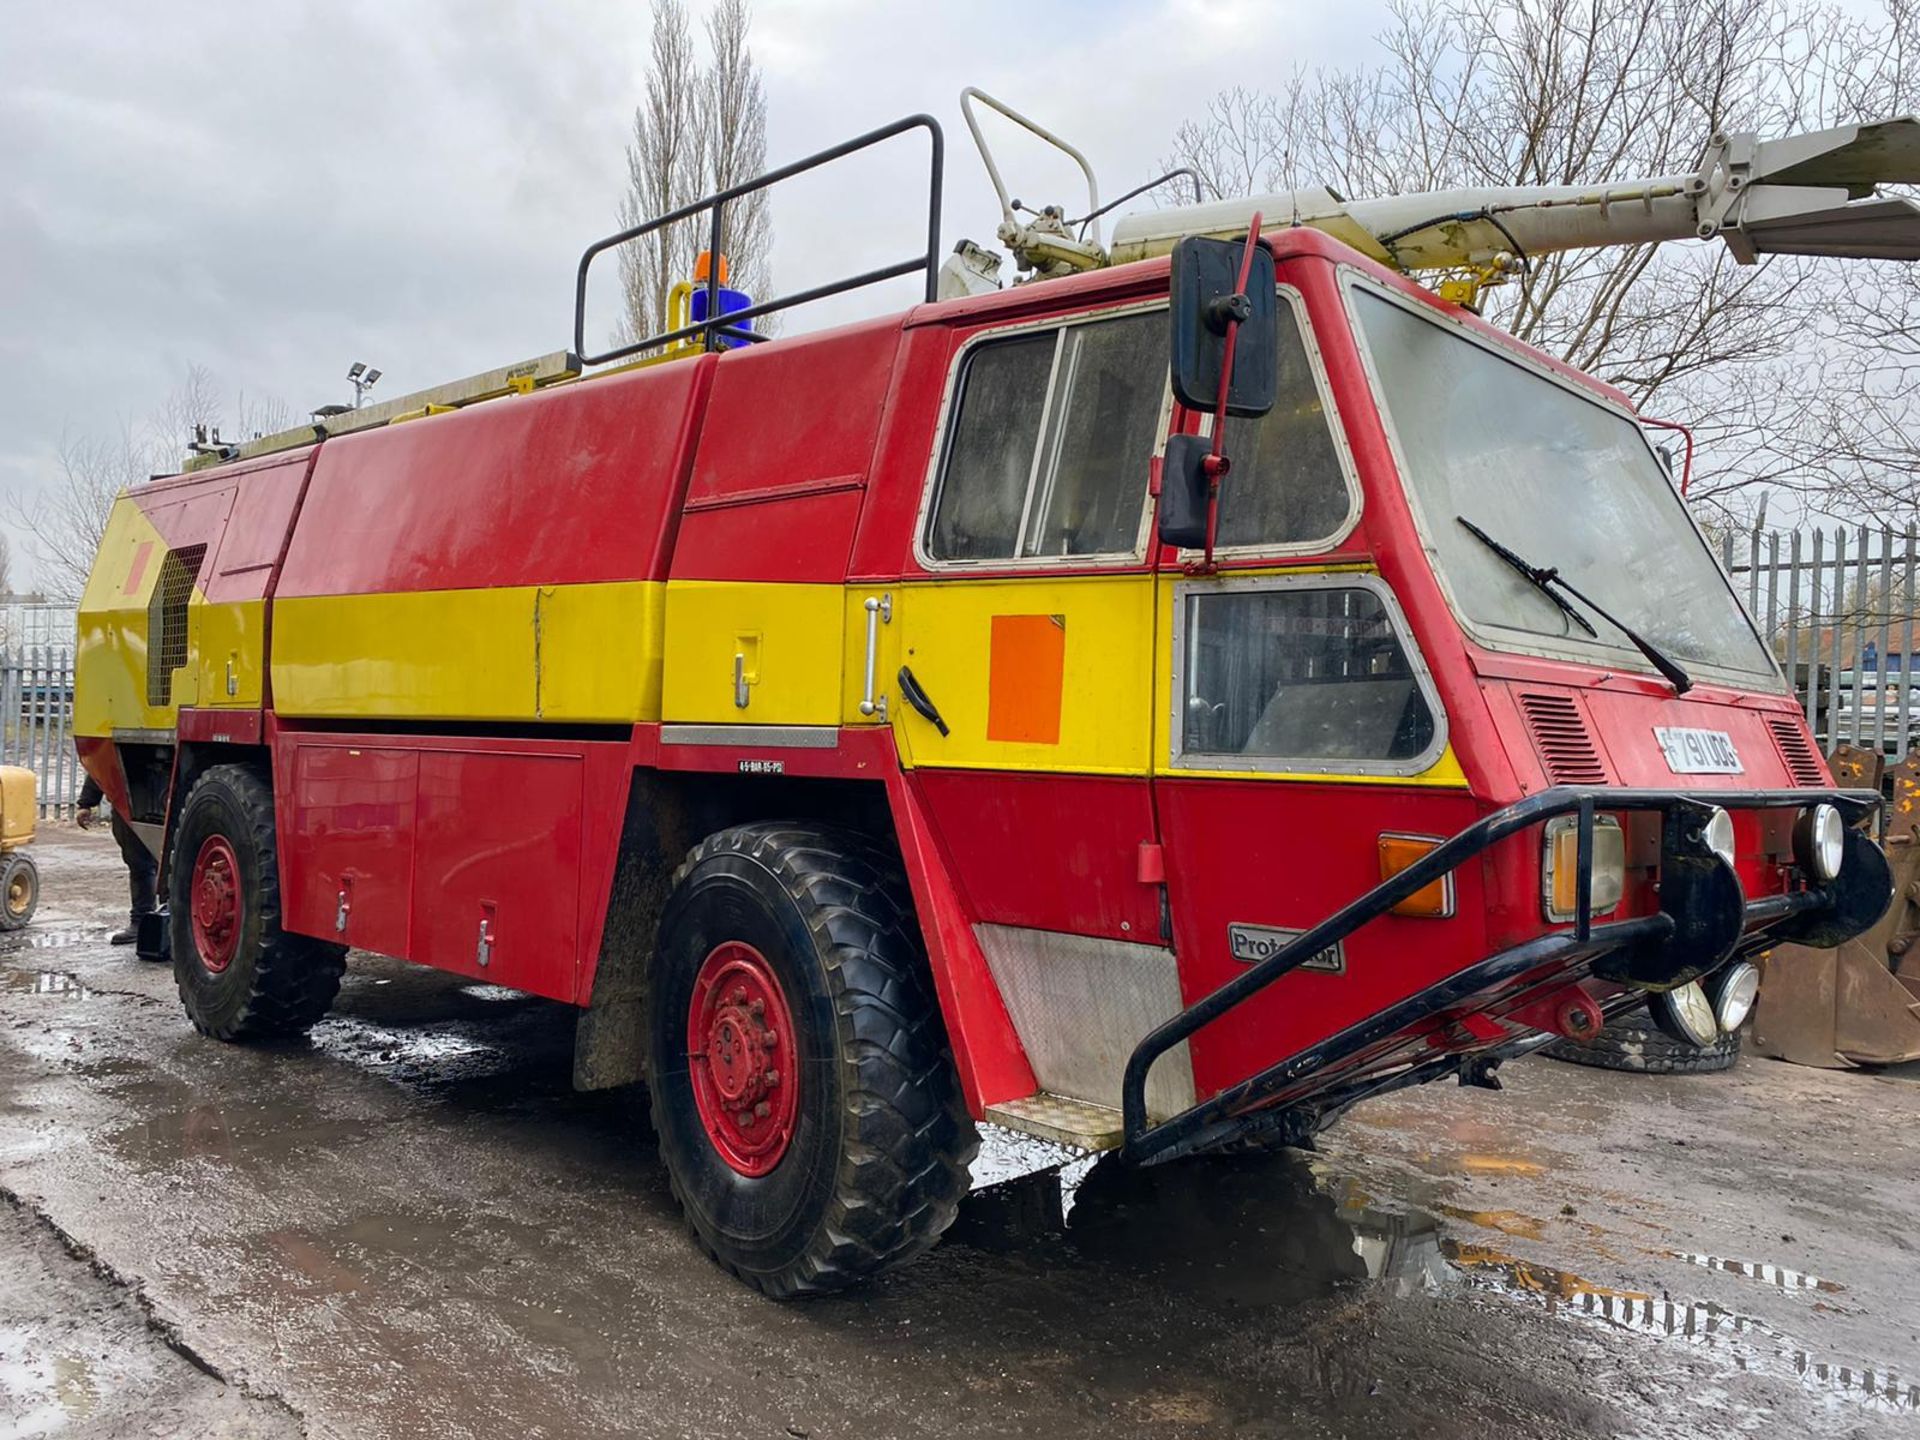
[772,1078]
[762,1110]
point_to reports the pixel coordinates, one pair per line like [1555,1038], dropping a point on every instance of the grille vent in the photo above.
[167,621]
[1560,735]
[1802,763]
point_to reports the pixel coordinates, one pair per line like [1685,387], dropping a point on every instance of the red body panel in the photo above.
[427,836]
[468,500]
[1048,852]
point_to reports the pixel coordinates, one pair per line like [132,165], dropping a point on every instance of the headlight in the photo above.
[1718,834]
[1732,991]
[1820,841]
[1686,1014]
[1560,866]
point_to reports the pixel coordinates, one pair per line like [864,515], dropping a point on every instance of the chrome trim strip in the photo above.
[131,735]
[754,737]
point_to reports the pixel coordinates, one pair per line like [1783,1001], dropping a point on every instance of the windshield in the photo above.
[1567,482]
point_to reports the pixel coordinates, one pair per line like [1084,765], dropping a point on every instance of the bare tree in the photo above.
[64,523]
[733,127]
[1580,92]
[698,129]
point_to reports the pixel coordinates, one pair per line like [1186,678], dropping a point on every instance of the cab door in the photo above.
[1029,631]
[1298,725]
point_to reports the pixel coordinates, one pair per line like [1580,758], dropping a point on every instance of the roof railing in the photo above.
[717,326]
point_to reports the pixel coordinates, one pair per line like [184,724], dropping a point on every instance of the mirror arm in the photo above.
[1232,309]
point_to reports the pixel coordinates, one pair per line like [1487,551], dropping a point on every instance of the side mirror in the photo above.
[1183,490]
[1206,295]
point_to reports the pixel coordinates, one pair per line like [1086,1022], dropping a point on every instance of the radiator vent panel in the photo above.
[1561,737]
[1803,761]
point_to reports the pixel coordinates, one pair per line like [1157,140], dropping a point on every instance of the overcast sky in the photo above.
[277,189]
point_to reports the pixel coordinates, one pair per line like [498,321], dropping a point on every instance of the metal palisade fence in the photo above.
[1837,606]
[36,723]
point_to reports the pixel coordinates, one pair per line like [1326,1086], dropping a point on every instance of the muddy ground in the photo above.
[410,1226]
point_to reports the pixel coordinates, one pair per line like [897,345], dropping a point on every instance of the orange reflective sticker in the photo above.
[142,554]
[1028,662]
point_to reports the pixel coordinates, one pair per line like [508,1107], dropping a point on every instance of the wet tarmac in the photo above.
[410,1225]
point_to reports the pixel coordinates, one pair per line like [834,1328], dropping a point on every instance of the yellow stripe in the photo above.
[587,653]
[788,642]
[944,631]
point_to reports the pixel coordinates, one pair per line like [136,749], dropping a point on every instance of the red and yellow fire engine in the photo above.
[1152,707]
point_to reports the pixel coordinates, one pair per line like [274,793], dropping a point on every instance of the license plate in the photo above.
[1251,944]
[1698,752]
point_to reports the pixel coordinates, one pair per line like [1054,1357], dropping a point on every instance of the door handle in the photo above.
[879,612]
[922,703]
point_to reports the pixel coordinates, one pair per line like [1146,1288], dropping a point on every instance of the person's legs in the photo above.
[142,876]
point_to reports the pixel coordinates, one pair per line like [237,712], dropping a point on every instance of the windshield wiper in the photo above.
[1544,579]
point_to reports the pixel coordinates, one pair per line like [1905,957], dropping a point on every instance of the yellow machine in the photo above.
[19,876]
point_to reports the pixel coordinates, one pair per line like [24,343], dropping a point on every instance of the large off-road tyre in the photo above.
[804,1095]
[1632,1043]
[240,976]
[19,891]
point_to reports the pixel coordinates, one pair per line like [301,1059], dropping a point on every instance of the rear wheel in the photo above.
[807,1107]
[19,891]
[240,976]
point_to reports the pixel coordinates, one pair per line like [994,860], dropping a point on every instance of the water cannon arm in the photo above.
[1811,194]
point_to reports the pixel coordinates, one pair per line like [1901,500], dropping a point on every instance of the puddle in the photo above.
[365,1043]
[54,939]
[48,1393]
[1284,1229]
[1778,1276]
[1743,1342]
[43,982]
[1249,1231]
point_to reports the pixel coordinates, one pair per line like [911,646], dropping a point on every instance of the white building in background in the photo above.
[30,621]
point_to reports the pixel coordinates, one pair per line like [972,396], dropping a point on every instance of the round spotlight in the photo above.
[1732,991]
[1686,1014]
[1718,833]
[1820,841]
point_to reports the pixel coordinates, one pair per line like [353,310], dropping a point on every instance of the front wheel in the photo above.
[807,1107]
[240,976]
[19,891]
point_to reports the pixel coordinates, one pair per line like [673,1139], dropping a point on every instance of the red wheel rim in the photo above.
[740,1053]
[216,903]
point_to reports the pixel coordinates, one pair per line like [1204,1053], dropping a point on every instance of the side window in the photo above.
[1307,674]
[1049,441]
[167,620]
[1287,485]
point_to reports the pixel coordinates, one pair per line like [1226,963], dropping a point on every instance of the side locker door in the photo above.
[187,533]
[1029,630]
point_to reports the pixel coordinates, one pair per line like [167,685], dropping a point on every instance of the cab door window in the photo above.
[1291,486]
[1048,443]
[1301,674]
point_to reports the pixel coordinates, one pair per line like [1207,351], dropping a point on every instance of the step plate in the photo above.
[1061,1120]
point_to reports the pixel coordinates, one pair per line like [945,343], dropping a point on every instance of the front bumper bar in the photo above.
[1703,915]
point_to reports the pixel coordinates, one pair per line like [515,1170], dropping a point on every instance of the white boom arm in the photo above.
[1803,195]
